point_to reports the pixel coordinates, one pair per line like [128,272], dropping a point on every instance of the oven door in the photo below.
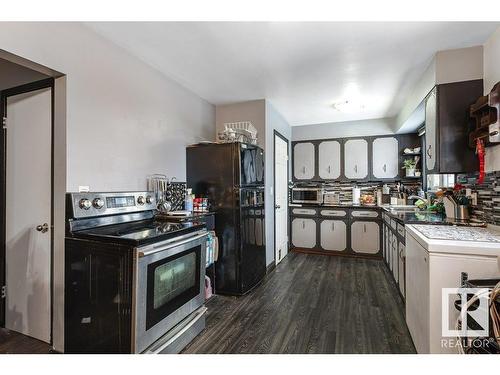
[305,195]
[169,285]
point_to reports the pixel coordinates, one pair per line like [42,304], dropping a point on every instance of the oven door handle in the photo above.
[158,249]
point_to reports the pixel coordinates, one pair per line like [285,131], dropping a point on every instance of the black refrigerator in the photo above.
[231,176]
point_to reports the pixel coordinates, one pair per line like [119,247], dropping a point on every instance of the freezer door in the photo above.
[251,165]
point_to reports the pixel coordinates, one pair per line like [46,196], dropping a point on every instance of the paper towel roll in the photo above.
[356,193]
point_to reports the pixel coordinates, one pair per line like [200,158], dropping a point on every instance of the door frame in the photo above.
[4,95]
[277,134]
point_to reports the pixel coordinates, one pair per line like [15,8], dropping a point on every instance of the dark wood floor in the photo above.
[311,304]
[15,343]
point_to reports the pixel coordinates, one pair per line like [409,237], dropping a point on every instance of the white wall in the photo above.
[125,120]
[456,65]
[447,66]
[274,121]
[266,119]
[117,120]
[492,76]
[343,129]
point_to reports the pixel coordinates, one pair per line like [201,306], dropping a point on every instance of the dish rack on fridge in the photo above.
[242,131]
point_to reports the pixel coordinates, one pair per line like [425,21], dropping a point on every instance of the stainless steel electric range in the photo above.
[133,284]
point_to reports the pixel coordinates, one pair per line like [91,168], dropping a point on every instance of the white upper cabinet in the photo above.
[329,160]
[303,161]
[430,131]
[356,159]
[385,157]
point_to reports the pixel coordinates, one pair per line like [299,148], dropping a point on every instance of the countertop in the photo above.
[456,240]
[415,217]
[404,217]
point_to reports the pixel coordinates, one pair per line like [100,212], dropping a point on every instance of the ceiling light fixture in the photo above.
[348,106]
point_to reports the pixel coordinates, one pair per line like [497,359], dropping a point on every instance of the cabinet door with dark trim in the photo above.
[333,235]
[329,160]
[385,158]
[431,117]
[304,233]
[356,159]
[304,161]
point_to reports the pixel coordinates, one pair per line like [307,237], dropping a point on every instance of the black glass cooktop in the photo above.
[140,232]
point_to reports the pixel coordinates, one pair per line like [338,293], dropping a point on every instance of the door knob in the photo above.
[43,228]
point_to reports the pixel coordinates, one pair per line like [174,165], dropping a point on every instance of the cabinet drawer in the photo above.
[401,230]
[304,211]
[366,213]
[335,213]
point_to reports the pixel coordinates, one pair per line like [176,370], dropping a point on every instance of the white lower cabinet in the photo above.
[304,233]
[394,257]
[333,234]
[429,269]
[385,243]
[365,237]
[389,248]
[401,267]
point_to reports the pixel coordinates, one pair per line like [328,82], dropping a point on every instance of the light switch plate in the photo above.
[83,189]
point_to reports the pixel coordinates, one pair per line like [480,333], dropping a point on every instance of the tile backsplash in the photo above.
[488,196]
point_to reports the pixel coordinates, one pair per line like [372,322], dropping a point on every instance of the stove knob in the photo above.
[98,203]
[149,199]
[141,200]
[85,204]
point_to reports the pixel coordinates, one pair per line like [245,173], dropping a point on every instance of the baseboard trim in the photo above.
[270,268]
[335,254]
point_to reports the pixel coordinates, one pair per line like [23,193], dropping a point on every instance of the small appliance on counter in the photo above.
[331,198]
[305,195]
[133,284]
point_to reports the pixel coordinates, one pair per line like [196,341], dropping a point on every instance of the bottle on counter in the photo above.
[188,201]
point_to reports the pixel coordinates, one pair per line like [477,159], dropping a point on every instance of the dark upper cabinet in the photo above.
[447,125]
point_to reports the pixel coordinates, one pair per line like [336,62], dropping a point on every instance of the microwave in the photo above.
[307,195]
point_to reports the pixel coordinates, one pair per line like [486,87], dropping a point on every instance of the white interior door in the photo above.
[281,197]
[28,205]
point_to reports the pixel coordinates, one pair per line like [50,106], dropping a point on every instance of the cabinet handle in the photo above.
[364,227]
[385,168]
[304,170]
[303,224]
[356,168]
[429,151]
[333,226]
[329,169]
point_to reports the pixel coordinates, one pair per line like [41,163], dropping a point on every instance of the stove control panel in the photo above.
[101,204]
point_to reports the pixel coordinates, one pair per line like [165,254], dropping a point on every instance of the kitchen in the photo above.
[185,216]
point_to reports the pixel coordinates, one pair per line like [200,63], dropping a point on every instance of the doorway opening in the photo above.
[281,177]
[32,109]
